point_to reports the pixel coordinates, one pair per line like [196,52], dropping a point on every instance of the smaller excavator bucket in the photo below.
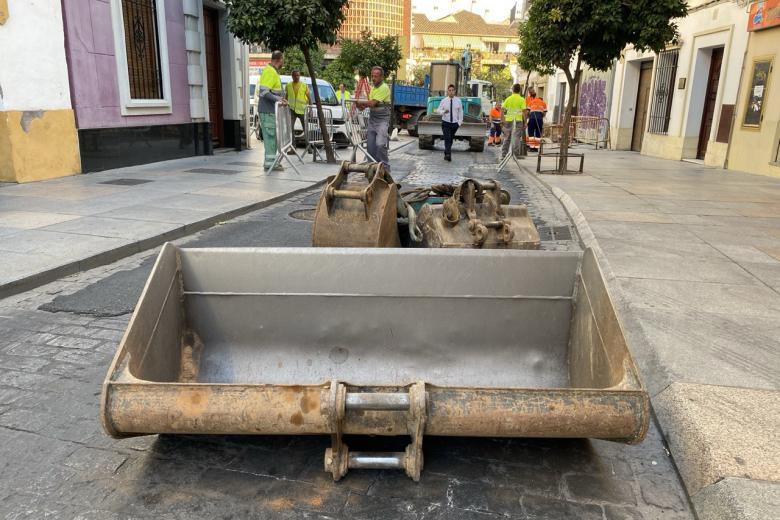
[357,212]
[477,216]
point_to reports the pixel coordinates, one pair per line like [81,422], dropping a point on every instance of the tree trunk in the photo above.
[320,113]
[527,79]
[573,81]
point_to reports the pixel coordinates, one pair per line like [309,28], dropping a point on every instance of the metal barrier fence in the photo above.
[285,140]
[587,130]
[314,139]
[357,129]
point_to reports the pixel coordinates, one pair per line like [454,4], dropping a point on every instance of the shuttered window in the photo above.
[142,48]
[661,109]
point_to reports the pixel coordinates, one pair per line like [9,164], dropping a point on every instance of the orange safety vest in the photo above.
[495,115]
[536,104]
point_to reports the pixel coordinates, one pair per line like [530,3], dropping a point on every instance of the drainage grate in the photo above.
[127,182]
[561,233]
[303,214]
[215,171]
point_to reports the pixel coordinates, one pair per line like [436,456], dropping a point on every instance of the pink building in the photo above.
[153,80]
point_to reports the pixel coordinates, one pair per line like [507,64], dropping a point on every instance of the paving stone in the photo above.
[543,508]
[600,489]
[655,492]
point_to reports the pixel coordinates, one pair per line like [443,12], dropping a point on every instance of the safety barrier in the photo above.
[285,140]
[588,130]
[315,141]
[357,130]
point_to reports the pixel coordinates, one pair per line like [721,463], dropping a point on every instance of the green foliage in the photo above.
[294,60]
[369,51]
[336,73]
[499,76]
[280,24]
[595,31]
[418,75]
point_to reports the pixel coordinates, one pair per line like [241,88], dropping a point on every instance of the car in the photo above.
[328,99]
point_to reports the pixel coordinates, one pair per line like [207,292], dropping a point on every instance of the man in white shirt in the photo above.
[451,110]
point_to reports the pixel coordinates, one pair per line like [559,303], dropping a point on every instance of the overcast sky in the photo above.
[491,10]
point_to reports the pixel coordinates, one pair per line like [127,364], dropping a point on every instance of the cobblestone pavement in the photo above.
[55,461]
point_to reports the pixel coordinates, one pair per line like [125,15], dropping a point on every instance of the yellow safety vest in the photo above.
[338,94]
[513,107]
[297,97]
[270,79]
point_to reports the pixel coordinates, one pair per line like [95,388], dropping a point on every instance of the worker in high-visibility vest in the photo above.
[342,94]
[537,108]
[269,88]
[378,103]
[495,125]
[297,95]
[514,115]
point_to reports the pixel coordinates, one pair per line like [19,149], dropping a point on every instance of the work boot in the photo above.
[490,140]
[448,158]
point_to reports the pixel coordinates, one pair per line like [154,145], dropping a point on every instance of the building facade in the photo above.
[755,138]
[679,104]
[38,138]
[153,80]
[492,44]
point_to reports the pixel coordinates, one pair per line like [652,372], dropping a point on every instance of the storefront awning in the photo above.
[460,42]
[437,41]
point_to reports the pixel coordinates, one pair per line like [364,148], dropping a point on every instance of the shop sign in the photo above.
[764,14]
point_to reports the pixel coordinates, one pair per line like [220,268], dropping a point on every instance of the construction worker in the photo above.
[342,94]
[377,138]
[514,110]
[297,95]
[451,110]
[495,125]
[270,92]
[537,108]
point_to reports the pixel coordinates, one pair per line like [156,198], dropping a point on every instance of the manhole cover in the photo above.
[303,214]
[127,182]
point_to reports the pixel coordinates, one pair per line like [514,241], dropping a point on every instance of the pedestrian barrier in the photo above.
[589,130]
[285,140]
[357,130]
[511,153]
[556,154]
[315,141]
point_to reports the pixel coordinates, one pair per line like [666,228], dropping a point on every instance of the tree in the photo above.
[294,60]
[562,33]
[337,73]
[369,51]
[281,24]
[418,74]
[498,76]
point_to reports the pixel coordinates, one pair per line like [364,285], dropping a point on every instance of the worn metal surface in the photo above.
[279,327]
[476,216]
[355,212]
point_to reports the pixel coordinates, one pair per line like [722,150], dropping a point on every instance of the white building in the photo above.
[679,104]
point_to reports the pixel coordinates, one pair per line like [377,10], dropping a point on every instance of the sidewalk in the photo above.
[54,228]
[694,255]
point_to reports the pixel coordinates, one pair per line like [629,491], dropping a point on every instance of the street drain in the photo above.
[303,214]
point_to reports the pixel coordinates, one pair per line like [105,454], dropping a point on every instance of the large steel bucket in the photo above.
[375,341]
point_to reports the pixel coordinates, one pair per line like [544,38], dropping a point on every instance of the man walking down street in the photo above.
[270,91]
[451,110]
[378,104]
[514,108]
[537,108]
[297,95]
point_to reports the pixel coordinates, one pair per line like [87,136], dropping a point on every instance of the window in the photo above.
[665,74]
[141,47]
[143,51]
[491,46]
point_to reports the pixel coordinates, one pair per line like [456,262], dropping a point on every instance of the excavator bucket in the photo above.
[477,216]
[357,210]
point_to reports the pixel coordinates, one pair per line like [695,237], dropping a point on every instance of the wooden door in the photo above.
[560,107]
[642,104]
[214,75]
[711,95]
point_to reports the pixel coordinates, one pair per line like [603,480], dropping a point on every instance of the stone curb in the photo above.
[123,251]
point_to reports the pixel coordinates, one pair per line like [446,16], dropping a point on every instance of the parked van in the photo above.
[329,101]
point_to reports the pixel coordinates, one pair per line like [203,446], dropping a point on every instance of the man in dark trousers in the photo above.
[451,110]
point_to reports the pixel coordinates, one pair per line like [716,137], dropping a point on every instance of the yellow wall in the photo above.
[664,146]
[752,149]
[37,145]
